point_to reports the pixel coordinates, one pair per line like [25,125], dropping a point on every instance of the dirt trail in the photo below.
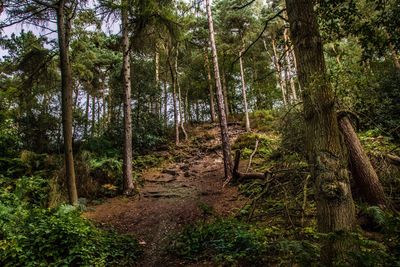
[172,197]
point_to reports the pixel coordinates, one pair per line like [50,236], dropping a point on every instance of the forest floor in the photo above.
[174,196]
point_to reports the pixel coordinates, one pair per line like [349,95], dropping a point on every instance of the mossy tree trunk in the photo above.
[335,206]
[363,172]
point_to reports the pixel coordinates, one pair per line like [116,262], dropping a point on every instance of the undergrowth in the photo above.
[32,235]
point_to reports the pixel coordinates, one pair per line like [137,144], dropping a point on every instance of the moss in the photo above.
[246,143]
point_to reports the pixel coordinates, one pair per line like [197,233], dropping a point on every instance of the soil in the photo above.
[174,196]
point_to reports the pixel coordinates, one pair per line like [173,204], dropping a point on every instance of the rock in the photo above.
[170,171]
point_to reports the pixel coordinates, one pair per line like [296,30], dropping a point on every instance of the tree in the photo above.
[226,146]
[335,207]
[63,11]
[126,69]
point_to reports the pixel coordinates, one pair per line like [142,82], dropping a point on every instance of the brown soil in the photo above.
[173,197]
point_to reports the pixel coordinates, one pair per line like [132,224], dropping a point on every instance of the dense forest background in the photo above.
[95,94]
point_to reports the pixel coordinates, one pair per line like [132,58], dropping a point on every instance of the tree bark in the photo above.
[226,146]
[244,94]
[335,207]
[181,111]
[367,181]
[289,66]
[85,134]
[128,185]
[225,92]
[63,31]
[174,101]
[210,87]
[278,68]
[93,116]
[165,103]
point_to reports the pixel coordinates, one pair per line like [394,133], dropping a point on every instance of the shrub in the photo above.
[226,240]
[35,236]
[55,237]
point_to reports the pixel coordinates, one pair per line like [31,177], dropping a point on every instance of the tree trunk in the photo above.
[335,207]
[289,66]
[210,87]
[244,95]
[395,57]
[165,103]
[157,70]
[225,92]
[85,134]
[63,31]
[128,186]
[181,111]
[278,68]
[367,181]
[93,116]
[174,101]
[226,146]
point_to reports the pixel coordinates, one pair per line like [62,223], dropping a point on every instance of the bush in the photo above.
[43,237]
[225,240]
[231,243]
[247,141]
[34,236]
[263,120]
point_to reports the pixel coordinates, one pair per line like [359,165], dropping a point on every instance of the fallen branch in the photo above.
[395,160]
[252,155]
[240,176]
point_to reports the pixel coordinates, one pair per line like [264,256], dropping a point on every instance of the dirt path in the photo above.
[173,197]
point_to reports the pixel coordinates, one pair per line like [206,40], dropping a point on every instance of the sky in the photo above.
[107,28]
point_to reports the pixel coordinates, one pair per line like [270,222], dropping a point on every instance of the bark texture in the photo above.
[63,30]
[174,101]
[210,87]
[128,186]
[226,146]
[335,207]
[244,94]
[363,172]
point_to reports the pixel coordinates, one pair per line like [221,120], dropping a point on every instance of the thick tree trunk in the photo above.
[244,94]
[226,146]
[367,181]
[335,207]
[128,185]
[210,87]
[63,30]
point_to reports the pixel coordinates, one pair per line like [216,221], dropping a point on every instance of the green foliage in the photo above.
[292,128]
[226,240]
[263,120]
[60,236]
[232,243]
[9,140]
[35,236]
[247,141]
